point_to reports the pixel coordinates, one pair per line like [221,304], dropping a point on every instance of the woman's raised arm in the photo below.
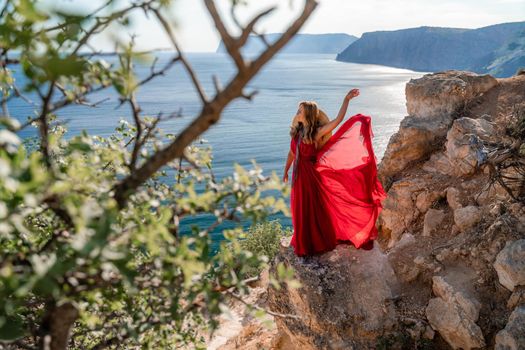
[332,124]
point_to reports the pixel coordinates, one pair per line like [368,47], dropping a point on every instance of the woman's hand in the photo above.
[351,94]
[285,177]
[332,124]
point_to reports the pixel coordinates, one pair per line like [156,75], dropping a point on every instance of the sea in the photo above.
[248,130]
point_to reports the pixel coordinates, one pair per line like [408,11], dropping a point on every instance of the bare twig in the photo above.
[257,307]
[43,125]
[250,27]
[181,56]
[135,110]
[160,72]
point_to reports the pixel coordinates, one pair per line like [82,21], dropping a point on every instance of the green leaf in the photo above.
[12,328]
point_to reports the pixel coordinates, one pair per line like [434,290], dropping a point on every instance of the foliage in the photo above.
[92,252]
[264,239]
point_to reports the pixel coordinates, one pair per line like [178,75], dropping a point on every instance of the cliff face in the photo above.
[496,49]
[300,43]
[448,270]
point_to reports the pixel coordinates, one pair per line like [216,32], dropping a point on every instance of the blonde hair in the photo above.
[314,118]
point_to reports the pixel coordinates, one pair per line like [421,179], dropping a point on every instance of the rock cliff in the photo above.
[448,269]
[497,49]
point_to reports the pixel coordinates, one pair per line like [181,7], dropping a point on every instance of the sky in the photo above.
[196,33]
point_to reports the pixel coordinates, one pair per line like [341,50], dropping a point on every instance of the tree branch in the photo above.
[135,110]
[229,42]
[43,125]
[181,57]
[209,114]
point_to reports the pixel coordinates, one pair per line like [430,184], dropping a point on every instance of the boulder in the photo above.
[493,190]
[467,217]
[510,264]
[454,198]
[516,298]
[453,325]
[401,261]
[453,313]
[416,138]
[438,163]
[464,150]
[452,294]
[432,102]
[344,301]
[426,199]
[442,93]
[399,209]
[433,219]
[512,337]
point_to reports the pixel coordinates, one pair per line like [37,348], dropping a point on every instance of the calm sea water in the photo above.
[257,129]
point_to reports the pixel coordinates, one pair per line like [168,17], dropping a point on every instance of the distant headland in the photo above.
[498,49]
[332,43]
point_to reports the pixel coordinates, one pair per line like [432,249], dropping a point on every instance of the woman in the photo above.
[336,196]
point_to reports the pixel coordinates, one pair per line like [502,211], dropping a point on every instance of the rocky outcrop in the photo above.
[433,102]
[463,153]
[512,337]
[447,270]
[454,314]
[472,224]
[402,207]
[433,218]
[467,217]
[346,298]
[510,264]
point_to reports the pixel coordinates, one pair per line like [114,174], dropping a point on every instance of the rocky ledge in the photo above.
[448,269]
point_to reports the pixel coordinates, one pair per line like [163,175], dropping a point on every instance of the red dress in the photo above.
[336,195]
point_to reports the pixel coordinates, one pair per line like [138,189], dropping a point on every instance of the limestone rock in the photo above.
[344,300]
[516,298]
[510,264]
[399,209]
[404,267]
[462,150]
[416,138]
[443,289]
[489,193]
[450,321]
[438,163]
[512,337]
[454,314]
[255,336]
[454,198]
[442,93]
[407,239]
[426,199]
[467,217]
[433,219]
[431,102]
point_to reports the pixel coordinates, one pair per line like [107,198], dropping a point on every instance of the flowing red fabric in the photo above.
[336,195]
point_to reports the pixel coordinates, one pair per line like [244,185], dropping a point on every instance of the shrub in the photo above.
[264,239]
